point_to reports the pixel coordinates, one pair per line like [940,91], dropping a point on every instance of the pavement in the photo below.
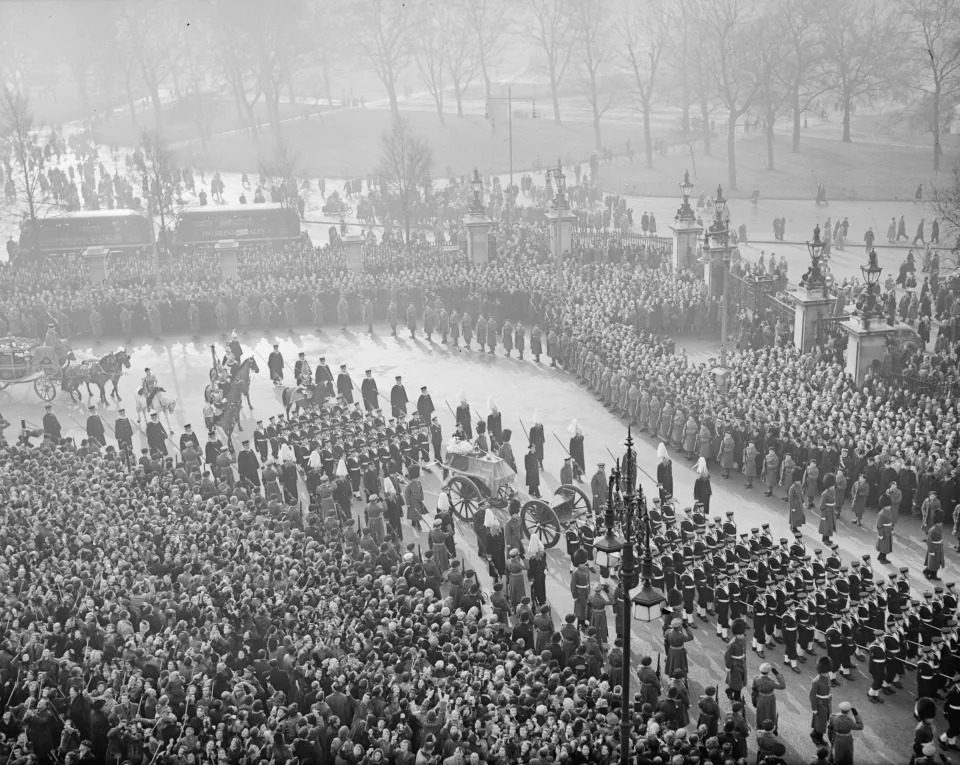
[519,388]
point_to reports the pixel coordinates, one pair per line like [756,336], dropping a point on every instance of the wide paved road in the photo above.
[519,388]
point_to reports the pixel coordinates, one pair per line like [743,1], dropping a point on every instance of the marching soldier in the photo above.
[821,700]
[735,661]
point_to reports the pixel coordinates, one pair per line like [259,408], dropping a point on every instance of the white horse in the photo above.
[162,402]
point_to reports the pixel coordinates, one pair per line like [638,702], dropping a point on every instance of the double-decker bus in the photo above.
[267,222]
[118,230]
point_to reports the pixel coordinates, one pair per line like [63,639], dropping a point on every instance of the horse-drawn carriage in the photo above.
[25,361]
[485,481]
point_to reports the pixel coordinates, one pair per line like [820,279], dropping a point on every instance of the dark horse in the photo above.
[237,389]
[302,397]
[108,369]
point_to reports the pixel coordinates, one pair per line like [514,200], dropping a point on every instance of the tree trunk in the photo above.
[486,78]
[157,106]
[684,92]
[597,138]
[732,151]
[769,132]
[796,120]
[647,138]
[326,83]
[392,95]
[705,116]
[83,91]
[846,119]
[458,93]
[936,128]
[132,105]
[290,91]
[555,93]
[438,100]
[272,100]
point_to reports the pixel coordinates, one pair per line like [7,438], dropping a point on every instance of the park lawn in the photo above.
[870,170]
[346,143]
[116,129]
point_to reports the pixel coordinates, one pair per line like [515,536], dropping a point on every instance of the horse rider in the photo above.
[150,386]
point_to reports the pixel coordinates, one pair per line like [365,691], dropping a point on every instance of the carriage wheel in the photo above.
[506,491]
[581,510]
[537,517]
[482,488]
[464,497]
[45,388]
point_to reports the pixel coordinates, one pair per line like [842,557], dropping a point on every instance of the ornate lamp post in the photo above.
[686,189]
[476,205]
[867,305]
[716,241]
[560,202]
[611,550]
[815,278]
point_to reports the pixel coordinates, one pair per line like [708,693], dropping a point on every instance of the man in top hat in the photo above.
[323,378]
[123,430]
[369,391]
[156,435]
[51,425]
[248,467]
[532,470]
[275,365]
[345,385]
[398,398]
[425,407]
[598,485]
[189,437]
[95,429]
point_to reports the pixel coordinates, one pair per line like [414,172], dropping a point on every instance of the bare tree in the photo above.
[21,143]
[774,98]
[799,26]
[946,204]
[405,165]
[551,28]
[430,54]
[936,24]
[384,28]
[157,164]
[145,38]
[488,20]
[644,37]
[330,33]
[280,174]
[237,67]
[593,29]
[275,40]
[853,33]
[735,65]
[460,54]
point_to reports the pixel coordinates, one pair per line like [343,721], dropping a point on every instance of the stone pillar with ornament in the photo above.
[96,262]
[812,299]
[353,251]
[477,224]
[227,250]
[716,270]
[561,219]
[867,332]
[686,231]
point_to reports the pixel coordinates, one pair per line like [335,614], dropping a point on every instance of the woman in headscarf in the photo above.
[701,487]
[576,450]
[516,588]
[537,572]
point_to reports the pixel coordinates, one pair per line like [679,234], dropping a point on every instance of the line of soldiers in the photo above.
[804,601]
[369,444]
